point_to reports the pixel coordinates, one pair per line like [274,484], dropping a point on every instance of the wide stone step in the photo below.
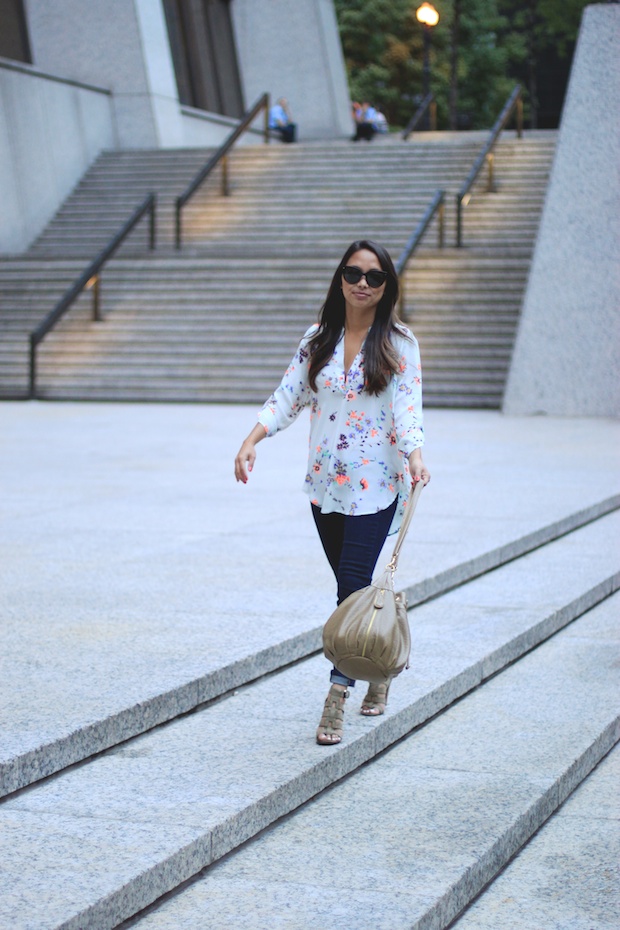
[312,196]
[453,400]
[226,318]
[70,738]
[120,328]
[152,813]
[441,396]
[443,812]
[205,349]
[581,841]
[194,377]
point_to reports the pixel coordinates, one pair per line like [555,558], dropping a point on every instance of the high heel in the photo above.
[329,730]
[375,702]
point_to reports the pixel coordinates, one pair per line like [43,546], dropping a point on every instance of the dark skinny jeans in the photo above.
[352,545]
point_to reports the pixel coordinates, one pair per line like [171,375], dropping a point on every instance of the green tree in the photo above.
[481,69]
[378,40]
[531,28]
[478,50]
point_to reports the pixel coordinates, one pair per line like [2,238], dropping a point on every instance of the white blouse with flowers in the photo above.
[359,442]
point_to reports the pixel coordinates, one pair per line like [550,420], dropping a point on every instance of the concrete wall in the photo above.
[288,49]
[567,355]
[50,132]
[118,44]
[292,50]
[210,129]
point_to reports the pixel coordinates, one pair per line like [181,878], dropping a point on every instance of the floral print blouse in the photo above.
[359,443]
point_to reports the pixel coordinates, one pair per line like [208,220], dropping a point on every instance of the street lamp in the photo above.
[429,17]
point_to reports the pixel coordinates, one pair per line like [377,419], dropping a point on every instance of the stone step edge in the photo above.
[35,765]
[472,568]
[474,880]
[193,858]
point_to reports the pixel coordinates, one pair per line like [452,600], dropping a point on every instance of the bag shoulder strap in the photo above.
[409,509]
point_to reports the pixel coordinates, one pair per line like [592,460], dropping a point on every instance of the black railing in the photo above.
[428,104]
[436,205]
[90,278]
[515,101]
[221,155]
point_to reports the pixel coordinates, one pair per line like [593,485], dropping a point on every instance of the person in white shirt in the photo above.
[381,123]
[281,121]
[365,122]
[359,371]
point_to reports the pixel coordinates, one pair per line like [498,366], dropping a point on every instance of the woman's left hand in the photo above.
[417,468]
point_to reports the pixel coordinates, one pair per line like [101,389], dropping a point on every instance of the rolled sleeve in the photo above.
[292,394]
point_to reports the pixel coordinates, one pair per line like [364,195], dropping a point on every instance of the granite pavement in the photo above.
[138,579]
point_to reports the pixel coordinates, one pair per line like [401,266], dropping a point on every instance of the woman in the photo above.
[359,370]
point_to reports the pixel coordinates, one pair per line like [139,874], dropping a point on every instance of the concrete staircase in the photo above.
[255,268]
[232,812]
[464,308]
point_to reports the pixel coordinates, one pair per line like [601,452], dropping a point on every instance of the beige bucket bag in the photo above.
[367,637]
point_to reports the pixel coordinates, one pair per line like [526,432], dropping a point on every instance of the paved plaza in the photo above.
[135,571]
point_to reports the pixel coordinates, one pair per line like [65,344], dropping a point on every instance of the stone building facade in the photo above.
[83,75]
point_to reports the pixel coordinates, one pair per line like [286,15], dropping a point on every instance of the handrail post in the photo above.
[97,317]
[152,226]
[225,184]
[32,378]
[441,225]
[519,116]
[266,138]
[433,113]
[459,207]
[490,178]
[177,224]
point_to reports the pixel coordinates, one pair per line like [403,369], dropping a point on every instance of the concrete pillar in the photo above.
[566,360]
[121,45]
[293,50]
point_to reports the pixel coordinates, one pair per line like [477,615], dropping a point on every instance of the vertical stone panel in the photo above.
[121,45]
[566,360]
[293,50]
[50,132]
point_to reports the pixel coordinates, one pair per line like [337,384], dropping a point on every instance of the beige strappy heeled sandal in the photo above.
[375,702]
[329,731]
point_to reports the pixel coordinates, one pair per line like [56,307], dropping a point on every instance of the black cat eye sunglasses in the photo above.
[374,277]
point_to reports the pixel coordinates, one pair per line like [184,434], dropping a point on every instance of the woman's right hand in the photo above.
[245,459]
[246,455]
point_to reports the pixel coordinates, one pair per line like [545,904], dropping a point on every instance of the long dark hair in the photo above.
[380,358]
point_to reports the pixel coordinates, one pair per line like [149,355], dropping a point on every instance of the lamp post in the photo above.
[429,17]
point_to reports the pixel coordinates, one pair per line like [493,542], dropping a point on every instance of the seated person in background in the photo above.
[381,123]
[365,119]
[280,120]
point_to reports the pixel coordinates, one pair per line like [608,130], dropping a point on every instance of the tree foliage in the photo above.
[479,49]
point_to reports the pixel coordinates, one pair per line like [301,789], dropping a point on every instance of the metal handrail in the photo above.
[436,205]
[90,278]
[428,102]
[463,197]
[220,155]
